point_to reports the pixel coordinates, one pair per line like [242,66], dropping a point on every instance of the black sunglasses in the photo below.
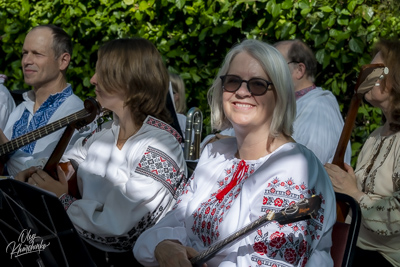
[256,86]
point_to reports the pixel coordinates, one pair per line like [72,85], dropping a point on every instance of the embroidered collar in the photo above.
[304,91]
[40,118]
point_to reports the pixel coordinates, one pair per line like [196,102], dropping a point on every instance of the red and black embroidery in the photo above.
[210,214]
[67,200]
[162,168]
[164,126]
[290,243]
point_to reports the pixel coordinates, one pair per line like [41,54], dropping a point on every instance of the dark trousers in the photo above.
[112,259]
[364,258]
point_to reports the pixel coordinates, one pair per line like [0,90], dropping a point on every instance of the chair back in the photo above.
[344,235]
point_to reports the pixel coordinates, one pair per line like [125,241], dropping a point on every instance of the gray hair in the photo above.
[276,67]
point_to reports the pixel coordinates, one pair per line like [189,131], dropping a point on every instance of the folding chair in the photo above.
[344,235]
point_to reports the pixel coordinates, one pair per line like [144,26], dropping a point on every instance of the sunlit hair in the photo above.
[300,52]
[178,87]
[277,69]
[61,40]
[390,52]
[134,67]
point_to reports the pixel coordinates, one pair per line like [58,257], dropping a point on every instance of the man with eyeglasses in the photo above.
[318,123]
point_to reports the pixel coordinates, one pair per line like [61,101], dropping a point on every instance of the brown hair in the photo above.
[135,67]
[390,52]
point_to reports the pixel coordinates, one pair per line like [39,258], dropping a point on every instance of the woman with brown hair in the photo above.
[130,172]
[375,183]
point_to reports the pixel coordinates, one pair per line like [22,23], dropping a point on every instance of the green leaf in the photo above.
[356,45]
[287,4]
[276,9]
[189,21]
[326,9]
[323,57]
[260,22]
[180,3]
[304,12]
[352,5]
[320,39]
[343,21]
[355,24]
[367,12]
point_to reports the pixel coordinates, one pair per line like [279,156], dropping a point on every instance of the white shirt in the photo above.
[290,173]
[125,191]
[7,104]
[319,124]
[44,146]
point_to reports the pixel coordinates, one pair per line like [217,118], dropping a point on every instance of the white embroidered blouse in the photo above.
[378,175]
[125,191]
[225,193]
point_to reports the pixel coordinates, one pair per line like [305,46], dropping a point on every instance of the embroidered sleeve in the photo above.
[381,215]
[291,242]
[67,200]
[162,168]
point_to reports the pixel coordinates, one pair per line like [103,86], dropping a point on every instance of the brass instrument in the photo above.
[194,122]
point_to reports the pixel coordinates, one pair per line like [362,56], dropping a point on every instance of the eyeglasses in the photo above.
[256,86]
[297,62]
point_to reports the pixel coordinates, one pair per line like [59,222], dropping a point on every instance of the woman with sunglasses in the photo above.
[239,179]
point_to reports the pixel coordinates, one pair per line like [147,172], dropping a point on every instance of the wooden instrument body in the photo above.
[366,81]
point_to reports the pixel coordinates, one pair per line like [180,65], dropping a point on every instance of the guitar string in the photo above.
[38,133]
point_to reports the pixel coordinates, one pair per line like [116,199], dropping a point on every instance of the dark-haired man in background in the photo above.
[318,123]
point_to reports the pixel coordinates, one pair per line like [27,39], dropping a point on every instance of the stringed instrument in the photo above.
[78,120]
[74,121]
[366,80]
[304,209]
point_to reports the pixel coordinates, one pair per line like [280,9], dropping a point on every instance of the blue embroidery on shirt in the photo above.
[40,118]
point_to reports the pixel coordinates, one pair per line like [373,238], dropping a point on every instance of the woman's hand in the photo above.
[343,181]
[171,253]
[24,175]
[41,179]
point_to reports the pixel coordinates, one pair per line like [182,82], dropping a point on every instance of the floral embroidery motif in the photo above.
[162,168]
[294,244]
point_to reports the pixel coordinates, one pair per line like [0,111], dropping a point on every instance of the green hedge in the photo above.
[194,36]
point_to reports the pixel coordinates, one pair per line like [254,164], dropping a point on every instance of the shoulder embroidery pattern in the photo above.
[277,245]
[162,168]
[164,126]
